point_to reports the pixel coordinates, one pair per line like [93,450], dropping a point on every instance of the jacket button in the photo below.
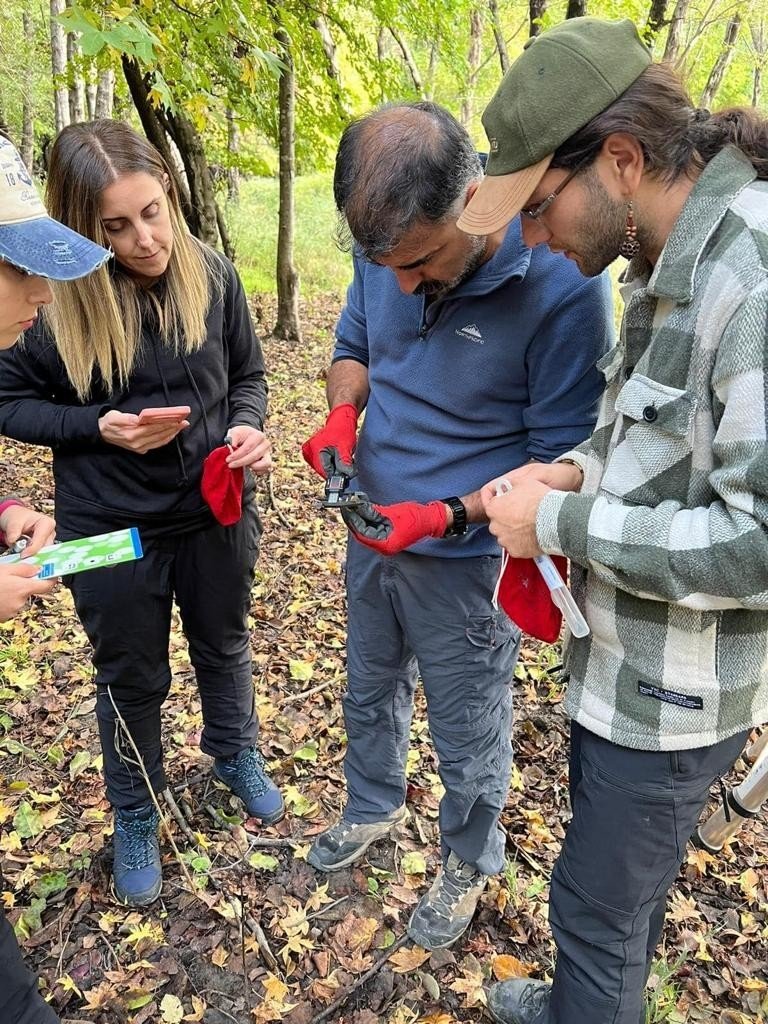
[650,413]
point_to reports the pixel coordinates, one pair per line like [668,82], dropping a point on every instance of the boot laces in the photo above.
[249,772]
[534,998]
[452,887]
[137,835]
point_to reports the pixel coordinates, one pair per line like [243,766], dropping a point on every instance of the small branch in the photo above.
[274,505]
[306,693]
[329,1010]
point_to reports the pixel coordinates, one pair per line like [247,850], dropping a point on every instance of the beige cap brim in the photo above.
[500,197]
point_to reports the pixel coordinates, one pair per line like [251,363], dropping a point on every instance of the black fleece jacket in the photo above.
[103,486]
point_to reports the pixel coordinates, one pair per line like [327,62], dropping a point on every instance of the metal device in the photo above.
[740,803]
[337,494]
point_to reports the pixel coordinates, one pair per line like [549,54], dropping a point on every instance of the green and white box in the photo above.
[84,553]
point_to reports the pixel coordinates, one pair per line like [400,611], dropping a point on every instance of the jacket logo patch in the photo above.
[681,700]
[471,333]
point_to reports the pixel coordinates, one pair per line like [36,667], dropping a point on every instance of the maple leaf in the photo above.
[506,967]
[355,933]
[406,960]
[470,985]
[101,995]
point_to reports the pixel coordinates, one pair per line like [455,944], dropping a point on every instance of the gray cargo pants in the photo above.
[633,813]
[412,615]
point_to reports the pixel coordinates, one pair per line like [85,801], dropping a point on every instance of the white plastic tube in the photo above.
[558,591]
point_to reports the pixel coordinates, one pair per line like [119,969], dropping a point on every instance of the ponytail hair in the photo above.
[676,138]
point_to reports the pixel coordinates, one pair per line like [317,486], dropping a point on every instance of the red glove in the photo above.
[330,450]
[392,528]
[525,598]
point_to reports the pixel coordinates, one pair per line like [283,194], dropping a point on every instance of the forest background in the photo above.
[247,100]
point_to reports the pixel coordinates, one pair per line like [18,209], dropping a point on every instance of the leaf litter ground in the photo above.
[245,930]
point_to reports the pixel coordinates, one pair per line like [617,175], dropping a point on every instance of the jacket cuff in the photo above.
[8,503]
[562,524]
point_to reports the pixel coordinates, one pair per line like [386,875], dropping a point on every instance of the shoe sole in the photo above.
[358,854]
[138,901]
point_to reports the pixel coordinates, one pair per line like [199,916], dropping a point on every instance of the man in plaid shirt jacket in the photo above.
[664,510]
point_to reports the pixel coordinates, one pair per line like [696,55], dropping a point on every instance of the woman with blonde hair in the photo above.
[136,375]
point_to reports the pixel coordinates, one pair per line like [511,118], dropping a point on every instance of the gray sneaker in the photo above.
[444,912]
[520,1001]
[345,842]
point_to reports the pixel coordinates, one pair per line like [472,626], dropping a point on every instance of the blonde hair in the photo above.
[96,321]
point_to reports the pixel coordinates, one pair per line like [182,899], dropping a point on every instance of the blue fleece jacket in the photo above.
[498,371]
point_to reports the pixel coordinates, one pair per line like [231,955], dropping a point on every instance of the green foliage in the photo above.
[253,228]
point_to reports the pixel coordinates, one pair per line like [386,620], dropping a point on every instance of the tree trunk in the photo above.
[657,19]
[76,83]
[332,64]
[27,107]
[382,43]
[760,46]
[59,66]
[410,62]
[473,65]
[233,148]
[498,35]
[536,9]
[192,152]
[676,26]
[576,9]
[105,93]
[287,326]
[154,131]
[724,58]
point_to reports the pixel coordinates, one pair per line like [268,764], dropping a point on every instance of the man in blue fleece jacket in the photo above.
[470,356]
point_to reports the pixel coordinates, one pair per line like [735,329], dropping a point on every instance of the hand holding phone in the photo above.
[164,412]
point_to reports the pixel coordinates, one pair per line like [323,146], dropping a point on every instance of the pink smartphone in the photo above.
[164,412]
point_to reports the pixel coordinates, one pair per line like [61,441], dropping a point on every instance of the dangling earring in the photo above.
[630,246]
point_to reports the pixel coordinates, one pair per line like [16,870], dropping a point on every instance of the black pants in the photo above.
[633,813]
[126,612]
[20,1001]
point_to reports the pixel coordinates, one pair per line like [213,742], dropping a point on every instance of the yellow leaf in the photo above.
[749,881]
[506,967]
[199,1006]
[171,1009]
[275,989]
[754,985]
[406,960]
[438,1018]
[220,956]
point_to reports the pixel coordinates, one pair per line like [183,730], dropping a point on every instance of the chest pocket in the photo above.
[653,443]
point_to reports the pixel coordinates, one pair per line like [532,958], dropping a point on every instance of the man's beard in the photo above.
[475,257]
[602,227]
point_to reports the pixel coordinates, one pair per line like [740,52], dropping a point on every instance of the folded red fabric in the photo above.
[525,598]
[222,487]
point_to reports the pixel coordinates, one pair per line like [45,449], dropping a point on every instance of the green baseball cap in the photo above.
[563,78]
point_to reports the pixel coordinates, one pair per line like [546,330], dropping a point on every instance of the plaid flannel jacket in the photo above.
[669,533]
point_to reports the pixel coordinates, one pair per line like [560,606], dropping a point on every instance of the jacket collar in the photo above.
[721,181]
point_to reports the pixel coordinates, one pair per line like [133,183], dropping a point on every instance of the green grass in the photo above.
[253,227]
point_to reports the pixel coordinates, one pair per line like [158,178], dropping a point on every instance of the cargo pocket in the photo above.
[656,440]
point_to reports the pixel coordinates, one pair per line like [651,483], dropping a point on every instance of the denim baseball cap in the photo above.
[563,78]
[29,238]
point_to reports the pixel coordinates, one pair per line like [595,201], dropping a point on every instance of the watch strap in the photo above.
[459,525]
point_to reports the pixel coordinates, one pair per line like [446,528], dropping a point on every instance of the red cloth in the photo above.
[222,487]
[330,450]
[3,506]
[525,598]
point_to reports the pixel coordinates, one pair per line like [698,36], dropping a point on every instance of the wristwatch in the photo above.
[459,524]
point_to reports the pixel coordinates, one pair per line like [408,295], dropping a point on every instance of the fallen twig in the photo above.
[275,506]
[320,1017]
[306,693]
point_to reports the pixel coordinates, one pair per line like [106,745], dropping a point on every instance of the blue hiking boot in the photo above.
[136,871]
[246,776]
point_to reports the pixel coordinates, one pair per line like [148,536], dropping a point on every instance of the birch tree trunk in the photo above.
[233,148]
[77,85]
[27,106]
[59,66]
[724,58]
[105,93]
[676,26]
[498,35]
[473,64]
